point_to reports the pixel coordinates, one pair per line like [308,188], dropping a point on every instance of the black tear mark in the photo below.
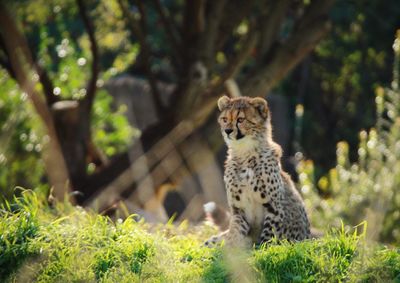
[239,134]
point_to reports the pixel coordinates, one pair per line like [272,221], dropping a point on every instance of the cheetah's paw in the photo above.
[213,241]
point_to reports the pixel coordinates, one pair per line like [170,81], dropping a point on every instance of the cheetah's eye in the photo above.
[224,119]
[240,120]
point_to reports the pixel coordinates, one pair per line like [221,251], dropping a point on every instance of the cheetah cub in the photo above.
[262,198]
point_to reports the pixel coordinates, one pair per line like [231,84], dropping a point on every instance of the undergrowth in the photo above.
[69,244]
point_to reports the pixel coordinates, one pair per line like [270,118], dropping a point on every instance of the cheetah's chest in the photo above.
[250,200]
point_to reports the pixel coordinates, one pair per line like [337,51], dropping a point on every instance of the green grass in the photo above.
[69,244]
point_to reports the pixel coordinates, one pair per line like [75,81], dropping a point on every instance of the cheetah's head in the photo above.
[243,118]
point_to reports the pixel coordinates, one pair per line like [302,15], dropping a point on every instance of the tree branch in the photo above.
[43,76]
[139,29]
[47,84]
[193,26]
[171,31]
[237,62]
[193,21]
[147,61]
[234,13]
[283,57]
[92,84]
[270,23]
[208,39]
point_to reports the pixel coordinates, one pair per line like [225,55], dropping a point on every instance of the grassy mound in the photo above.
[69,244]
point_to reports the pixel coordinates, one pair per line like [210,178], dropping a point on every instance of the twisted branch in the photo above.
[92,84]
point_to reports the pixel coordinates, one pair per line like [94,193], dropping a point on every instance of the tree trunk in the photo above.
[23,67]
[72,133]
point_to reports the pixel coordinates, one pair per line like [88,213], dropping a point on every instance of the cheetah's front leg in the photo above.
[236,235]
[272,225]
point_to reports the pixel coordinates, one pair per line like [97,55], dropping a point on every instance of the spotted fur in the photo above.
[262,198]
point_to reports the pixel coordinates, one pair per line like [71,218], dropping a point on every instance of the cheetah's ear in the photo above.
[223,102]
[261,105]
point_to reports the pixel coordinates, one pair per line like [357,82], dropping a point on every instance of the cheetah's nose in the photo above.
[228,131]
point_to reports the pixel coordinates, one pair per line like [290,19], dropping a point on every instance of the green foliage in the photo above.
[20,140]
[337,83]
[368,189]
[69,244]
[111,129]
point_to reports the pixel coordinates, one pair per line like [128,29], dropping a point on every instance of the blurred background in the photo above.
[113,103]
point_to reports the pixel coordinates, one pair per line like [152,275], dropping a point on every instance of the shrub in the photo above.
[368,189]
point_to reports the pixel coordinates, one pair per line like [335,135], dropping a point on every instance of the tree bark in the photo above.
[21,62]
[72,133]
